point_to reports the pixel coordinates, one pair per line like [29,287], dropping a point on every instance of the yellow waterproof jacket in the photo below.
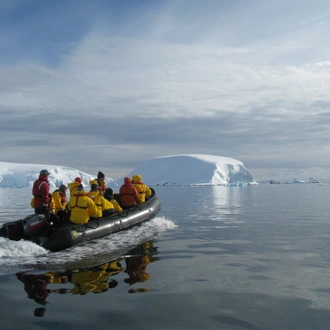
[73,187]
[59,200]
[82,207]
[141,271]
[102,203]
[52,210]
[54,277]
[89,281]
[102,185]
[143,190]
[94,281]
[116,205]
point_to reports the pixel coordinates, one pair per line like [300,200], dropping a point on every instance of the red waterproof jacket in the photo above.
[40,191]
[128,194]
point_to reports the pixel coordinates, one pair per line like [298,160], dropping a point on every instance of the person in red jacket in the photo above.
[40,191]
[129,196]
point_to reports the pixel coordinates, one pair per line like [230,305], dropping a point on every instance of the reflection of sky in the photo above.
[277,253]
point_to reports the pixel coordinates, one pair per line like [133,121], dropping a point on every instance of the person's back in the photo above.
[60,202]
[102,204]
[94,194]
[40,191]
[107,207]
[129,196]
[110,197]
[82,207]
[59,197]
[143,190]
[74,185]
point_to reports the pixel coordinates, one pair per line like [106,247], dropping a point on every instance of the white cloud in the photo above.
[246,66]
[182,81]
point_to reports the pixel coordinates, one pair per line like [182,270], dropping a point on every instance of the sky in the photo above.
[105,85]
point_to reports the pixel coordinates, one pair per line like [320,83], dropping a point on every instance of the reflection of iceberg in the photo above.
[94,279]
[226,204]
[227,200]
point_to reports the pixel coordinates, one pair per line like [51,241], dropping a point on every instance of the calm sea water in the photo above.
[214,258]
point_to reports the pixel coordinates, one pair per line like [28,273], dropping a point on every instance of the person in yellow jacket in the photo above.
[82,207]
[51,207]
[100,181]
[94,279]
[143,190]
[110,197]
[54,277]
[59,198]
[74,185]
[103,204]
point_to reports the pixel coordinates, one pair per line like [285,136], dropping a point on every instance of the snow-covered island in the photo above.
[175,170]
[314,175]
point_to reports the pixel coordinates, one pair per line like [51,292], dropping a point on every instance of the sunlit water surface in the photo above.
[253,257]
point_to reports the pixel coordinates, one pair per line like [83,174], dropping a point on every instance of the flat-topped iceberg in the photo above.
[194,169]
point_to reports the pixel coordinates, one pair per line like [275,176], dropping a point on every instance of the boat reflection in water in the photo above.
[96,279]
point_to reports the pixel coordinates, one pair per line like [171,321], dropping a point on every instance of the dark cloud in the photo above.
[96,141]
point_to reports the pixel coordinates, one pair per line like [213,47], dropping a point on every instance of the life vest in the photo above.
[81,207]
[36,191]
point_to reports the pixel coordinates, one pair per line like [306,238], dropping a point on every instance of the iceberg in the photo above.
[14,175]
[177,170]
[193,170]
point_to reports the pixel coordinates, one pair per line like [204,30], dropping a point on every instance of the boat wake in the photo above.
[24,255]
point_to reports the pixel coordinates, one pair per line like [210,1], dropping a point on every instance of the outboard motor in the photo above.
[35,225]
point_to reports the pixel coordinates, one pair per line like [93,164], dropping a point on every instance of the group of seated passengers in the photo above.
[99,201]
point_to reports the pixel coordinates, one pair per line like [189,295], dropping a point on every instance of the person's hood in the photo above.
[80,193]
[128,181]
[137,178]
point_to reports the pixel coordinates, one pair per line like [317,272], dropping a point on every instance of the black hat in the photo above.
[39,312]
[100,175]
[109,191]
[44,172]
[94,187]
[62,188]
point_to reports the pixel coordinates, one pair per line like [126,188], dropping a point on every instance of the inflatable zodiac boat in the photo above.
[37,229]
